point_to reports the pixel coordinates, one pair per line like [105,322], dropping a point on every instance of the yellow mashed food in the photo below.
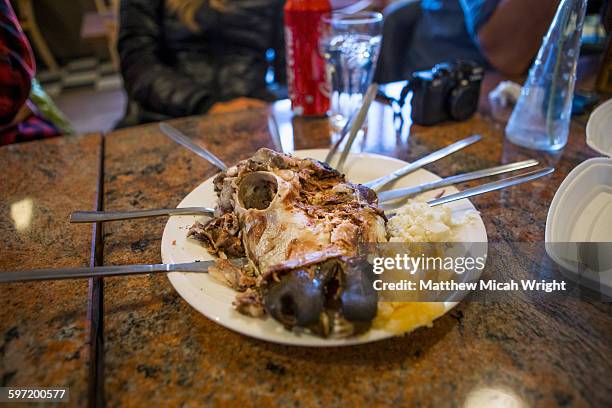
[417,222]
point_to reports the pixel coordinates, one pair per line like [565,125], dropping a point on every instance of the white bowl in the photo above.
[581,212]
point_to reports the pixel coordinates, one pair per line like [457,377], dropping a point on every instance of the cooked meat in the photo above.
[250,303]
[299,222]
[237,278]
[221,235]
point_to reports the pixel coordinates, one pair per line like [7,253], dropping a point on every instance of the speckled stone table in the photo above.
[44,326]
[160,351]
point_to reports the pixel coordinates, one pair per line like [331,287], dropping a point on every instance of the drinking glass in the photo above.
[350,44]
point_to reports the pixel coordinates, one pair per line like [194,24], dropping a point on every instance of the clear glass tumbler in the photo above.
[350,44]
[541,117]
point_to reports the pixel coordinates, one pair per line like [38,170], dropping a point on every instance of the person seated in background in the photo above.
[185,57]
[20,119]
[500,34]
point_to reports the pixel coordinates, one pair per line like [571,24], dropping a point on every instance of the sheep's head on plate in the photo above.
[299,223]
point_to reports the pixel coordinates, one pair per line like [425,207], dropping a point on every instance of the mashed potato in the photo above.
[418,222]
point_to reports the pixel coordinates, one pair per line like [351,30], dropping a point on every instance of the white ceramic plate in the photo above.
[214,300]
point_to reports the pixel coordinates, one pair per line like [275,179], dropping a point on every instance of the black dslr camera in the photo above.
[449,91]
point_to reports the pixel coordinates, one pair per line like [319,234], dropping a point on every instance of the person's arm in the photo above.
[16,68]
[511,34]
[147,79]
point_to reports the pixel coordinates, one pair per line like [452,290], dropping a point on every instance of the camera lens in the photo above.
[463,102]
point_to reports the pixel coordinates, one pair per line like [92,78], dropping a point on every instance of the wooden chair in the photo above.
[27,19]
[103,24]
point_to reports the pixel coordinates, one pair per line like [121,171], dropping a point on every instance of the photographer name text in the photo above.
[483,285]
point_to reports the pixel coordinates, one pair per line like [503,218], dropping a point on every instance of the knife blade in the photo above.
[103,271]
[174,134]
[415,165]
[456,179]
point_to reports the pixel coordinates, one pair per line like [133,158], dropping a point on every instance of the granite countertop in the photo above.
[160,350]
[43,325]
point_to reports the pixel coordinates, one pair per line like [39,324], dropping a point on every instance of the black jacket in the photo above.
[171,71]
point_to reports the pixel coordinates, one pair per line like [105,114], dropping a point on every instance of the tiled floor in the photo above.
[81,73]
[89,92]
[90,110]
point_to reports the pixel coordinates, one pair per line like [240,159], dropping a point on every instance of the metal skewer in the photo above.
[120,270]
[186,142]
[415,165]
[97,216]
[447,181]
[495,185]
[73,273]
[345,130]
[486,188]
[275,132]
[359,119]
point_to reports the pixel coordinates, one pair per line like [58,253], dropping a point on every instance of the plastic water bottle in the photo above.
[541,117]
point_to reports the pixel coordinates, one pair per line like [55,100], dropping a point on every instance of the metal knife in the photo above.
[495,185]
[101,271]
[98,216]
[186,142]
[447,181]
[430,158]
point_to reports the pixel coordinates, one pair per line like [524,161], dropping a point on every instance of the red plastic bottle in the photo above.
[305,64]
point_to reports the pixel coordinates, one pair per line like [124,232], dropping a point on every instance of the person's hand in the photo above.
[237,104]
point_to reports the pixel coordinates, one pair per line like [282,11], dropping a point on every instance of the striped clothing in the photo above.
[17,68]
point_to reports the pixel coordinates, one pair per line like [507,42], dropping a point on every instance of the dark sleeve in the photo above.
[16,65]
[280,68]
[155,85]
